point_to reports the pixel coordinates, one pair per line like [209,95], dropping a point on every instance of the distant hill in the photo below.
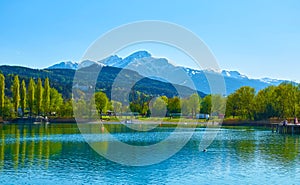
[62,80]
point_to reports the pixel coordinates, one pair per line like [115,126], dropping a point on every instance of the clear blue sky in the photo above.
[258,38]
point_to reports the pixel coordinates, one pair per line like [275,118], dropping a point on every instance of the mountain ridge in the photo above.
[141,60]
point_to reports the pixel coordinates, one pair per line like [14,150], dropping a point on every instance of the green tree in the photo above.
[139,102]
[39,96]
[166,99]
[218,104]
[286,100]
[206,105]
[23,97]
[16,93]
[81,108]
[174,105]
[264,105]
[158,108]
[2,93]
[31,96]
[56,101]
[194,102]
[101,102]
[66,109]
[46,97]
[117,106]
[185,107]
[8,110]
[243,99]
[231,106]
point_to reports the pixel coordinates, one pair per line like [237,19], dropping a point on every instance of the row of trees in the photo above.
[38,98]
[33,98]
[145,105]
[282,101]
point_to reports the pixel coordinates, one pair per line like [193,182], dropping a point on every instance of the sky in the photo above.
[257,38]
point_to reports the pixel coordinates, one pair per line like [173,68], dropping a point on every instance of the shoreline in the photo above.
[30,121]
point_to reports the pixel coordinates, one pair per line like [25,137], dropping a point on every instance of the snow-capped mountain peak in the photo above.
[233,74]
[138,55]
[64,65]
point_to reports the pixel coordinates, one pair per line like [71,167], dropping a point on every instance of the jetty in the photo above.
[286,129]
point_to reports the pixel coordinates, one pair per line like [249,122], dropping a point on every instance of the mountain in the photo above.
[161,69]
[64,65]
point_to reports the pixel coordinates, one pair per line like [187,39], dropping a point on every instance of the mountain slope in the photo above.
[160,69]
[62,80]
[145,64]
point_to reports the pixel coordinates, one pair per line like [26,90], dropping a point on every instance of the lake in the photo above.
[59,154]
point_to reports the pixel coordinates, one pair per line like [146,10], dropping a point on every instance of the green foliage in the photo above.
[194,102]
[206,105]
[264,104]
[16,93]
[101,102]
[159,107]
[66,109]
[240,103]
[174,105]
[8,110]
[2,93]
[23,97]
[56,101]
[116,106]
[282,101]
[46,97]
[218,104]
[139,102]
[39,96]
[185,107]
[31,96]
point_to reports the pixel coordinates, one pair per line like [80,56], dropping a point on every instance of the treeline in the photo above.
[33,99]
[279,102]
[145,105]
[282,101]
[37,97]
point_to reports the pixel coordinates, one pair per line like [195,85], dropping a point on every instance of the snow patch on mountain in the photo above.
[64,65]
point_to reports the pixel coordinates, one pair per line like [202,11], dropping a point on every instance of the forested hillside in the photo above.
[62,80]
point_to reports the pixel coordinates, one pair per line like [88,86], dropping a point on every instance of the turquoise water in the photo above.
[39,154]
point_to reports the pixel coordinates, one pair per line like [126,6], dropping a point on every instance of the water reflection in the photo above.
[30,144]
[59,150]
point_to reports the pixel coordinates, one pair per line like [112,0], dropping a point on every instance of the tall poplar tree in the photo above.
[23,97]
[2,93]
[31,95]
[16,93]
[39,96]
[46,96]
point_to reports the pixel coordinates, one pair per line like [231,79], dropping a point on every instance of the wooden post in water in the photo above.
[288,129]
